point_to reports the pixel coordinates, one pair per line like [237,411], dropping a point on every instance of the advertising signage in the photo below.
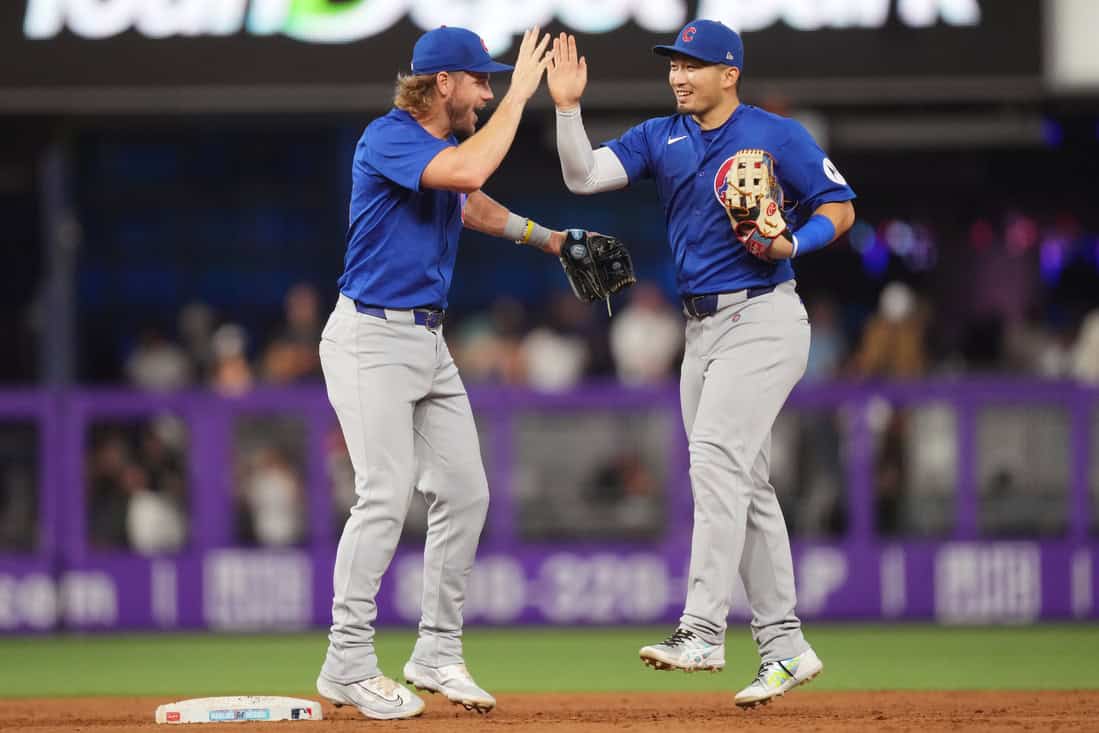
[47,46]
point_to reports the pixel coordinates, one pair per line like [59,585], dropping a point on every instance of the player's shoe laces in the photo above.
[684,650]
[378,697]
[779,677]
[453,681]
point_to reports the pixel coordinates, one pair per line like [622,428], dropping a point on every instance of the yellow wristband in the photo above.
[527,232]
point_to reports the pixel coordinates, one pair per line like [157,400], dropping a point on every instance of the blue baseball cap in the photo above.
[707,40]
[452,49]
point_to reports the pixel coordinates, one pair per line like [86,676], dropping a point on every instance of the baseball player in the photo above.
[395,389]
[747,332]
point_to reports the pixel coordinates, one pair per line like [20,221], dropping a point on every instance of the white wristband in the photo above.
[539,237]
[515,227]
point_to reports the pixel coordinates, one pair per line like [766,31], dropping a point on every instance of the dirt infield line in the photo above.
[802,711]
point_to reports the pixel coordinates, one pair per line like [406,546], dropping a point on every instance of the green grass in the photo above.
[513,660]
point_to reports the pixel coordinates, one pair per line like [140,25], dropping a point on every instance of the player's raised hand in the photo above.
[529,65]
[567,74]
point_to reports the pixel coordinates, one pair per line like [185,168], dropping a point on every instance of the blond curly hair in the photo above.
[414,93]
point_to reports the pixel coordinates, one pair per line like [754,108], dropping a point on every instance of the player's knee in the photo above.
[467,494]
[713,463]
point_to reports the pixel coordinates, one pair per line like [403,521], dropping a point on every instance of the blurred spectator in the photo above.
[161,454]
[154,524]
[487,347]
[893,347]
[293,354]
[892,344]
[891,472]
[274,499]
[18,486]
[1036,348]
[1085,353]
[1028,347]
[196,329]
[231,374]
[157,364]
[646,338]
[827,344]
[106,498]
[556,354]
[625,490]
[136,487]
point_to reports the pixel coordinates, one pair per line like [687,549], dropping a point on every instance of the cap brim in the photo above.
[489,67]
[675,51]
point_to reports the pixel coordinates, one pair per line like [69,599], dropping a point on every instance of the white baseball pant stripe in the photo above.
[739,366]
[408,425]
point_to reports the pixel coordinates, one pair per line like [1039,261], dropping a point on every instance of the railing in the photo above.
[961,573]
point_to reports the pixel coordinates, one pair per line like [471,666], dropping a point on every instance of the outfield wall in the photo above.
[958,570]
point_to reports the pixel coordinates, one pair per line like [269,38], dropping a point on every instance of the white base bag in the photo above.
[239,709]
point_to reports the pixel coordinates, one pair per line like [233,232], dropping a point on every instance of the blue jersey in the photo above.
[689,166]
[402,240]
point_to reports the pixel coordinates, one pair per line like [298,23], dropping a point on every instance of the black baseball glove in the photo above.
[596,265]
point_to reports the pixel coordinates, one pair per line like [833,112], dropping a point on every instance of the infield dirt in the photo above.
[802,711]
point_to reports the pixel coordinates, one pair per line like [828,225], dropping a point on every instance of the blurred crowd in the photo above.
[137,485]
[568,342]
[137,476]
[217,355]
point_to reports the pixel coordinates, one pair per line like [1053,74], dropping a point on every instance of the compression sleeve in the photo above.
[585,170]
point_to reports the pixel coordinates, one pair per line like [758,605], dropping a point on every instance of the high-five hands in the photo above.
[567,74]
[530,63]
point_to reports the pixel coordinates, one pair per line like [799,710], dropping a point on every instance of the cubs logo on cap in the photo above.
[709,41]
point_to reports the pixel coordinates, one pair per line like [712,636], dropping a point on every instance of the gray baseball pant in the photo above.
[739,366]
[408,425]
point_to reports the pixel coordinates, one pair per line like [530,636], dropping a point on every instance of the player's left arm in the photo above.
[482,213]
[816,232]
[816,181]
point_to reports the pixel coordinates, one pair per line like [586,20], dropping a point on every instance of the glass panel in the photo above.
[807,471]
[136,483]
[1022,470]
[269,486]
[915,469]
[593,475]
[19,486]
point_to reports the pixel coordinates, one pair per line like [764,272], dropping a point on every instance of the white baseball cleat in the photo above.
[378,697]
[779,677]
[453,681]
[686,651]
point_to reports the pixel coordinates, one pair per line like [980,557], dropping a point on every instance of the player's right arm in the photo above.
[466,167]
[585,170]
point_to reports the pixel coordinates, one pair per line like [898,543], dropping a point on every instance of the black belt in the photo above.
[430,318]
[701,306]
